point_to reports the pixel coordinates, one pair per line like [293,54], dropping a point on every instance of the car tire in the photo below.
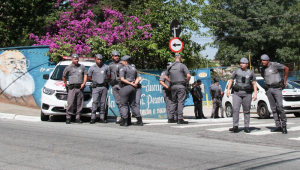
[297,114]
[228,110]
[263,111]
[44,117]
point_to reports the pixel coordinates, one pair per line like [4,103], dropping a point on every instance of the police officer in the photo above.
[130,80]
[216,94]
[274,83]
[194,99]
[199,96]
[77,78]
[167,93]
[99,75]
[138,92]
[114,68]
[179,76]
[245,84]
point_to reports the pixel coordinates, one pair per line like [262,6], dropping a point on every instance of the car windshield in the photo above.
[296,85]
[58,72]
[262,83]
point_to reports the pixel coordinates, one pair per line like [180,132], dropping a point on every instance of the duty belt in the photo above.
[76,86]
[274,86]
[114,82]
[178,83]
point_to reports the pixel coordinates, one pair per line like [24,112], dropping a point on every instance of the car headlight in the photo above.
[48,91]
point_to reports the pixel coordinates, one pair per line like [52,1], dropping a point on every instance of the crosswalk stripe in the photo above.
[202,125]
[267,132]
[256,125]
[294,138]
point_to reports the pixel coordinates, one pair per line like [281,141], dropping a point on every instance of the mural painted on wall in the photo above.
[21,82]
[20,78]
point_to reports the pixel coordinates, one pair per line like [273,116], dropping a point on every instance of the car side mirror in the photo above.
[46,76]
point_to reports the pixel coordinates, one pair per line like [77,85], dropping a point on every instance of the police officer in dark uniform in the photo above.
[216,94]
[130,80]
[199,96]
[167,93]
[274,83]
[195,99]
[245,84]
[99,75]
[138,92]
[179,76]
[114,68]
[77,78]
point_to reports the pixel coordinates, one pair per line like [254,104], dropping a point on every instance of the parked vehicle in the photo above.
[54,94]
[291,100]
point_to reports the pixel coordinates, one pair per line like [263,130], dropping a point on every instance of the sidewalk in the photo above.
[10,111]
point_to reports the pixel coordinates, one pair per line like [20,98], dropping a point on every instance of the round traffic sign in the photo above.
[176,45]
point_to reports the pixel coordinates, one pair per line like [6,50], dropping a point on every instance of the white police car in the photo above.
[54,94]
[291,100]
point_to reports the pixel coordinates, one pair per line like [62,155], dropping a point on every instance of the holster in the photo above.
[235,88]
[70,87]
[139,85]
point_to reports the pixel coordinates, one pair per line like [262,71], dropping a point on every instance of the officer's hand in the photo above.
[254,97]
[169,88]
[227,93]
[284,84]
[82,86]
[134,85]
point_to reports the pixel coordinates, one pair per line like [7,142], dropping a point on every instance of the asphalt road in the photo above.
[56,145]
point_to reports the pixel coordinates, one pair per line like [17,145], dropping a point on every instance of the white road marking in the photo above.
[268,132]
[28,118]
[294,138]
[251,125]
[202,125]
[7,116]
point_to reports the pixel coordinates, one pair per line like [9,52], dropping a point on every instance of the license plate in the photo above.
[295,105]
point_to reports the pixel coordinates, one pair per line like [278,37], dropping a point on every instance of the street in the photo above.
[202,144]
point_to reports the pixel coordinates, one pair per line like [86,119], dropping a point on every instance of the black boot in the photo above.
[102,121]
[124,122]
[68,121]
[284,130]
[246,130]
[78,121]
[92,121]
[277,129]
[181,121]
[171,121]
[120,121]
[139,122]
[129,120]
[234,129]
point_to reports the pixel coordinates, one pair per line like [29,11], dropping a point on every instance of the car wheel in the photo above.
[297,114]
[44,117]
[228,110]
[263,111]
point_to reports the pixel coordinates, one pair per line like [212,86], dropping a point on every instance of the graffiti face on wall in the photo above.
[17,85]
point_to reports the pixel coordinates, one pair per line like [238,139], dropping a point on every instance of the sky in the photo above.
[211,52]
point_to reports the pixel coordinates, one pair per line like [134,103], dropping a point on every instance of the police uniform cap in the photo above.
[198,80]
[99,56]
[169,63]
[176,54]
[244,60]
[216,79]
[115,53]
[125,58]
[133,65]
[265,57]
[74,55]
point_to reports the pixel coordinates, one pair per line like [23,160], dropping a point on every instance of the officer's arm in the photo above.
[188,77]
[65,81]
[229,84]
[255,90]
[137,80]
[163,84]
[286,73]
[127,82]
[90,78]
